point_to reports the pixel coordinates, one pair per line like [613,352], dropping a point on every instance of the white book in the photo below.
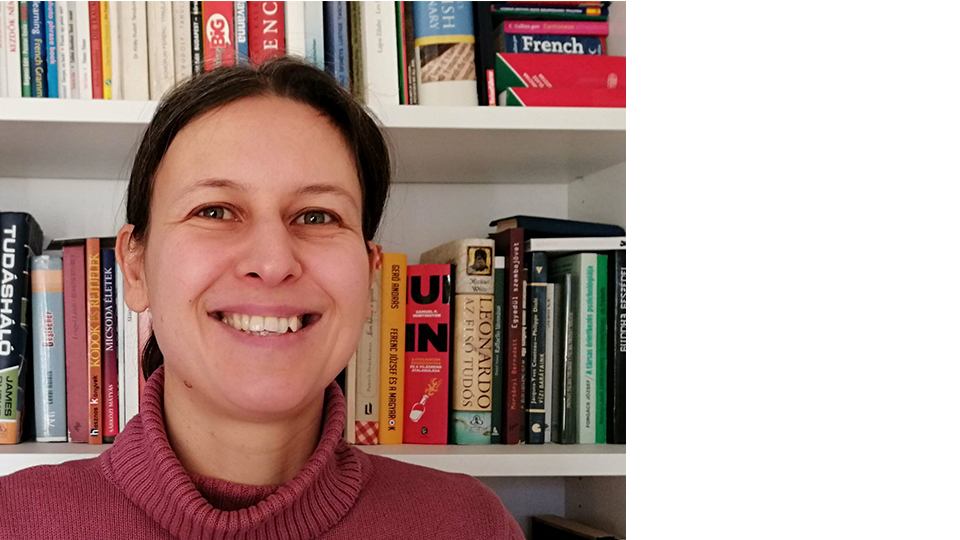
[63,77]
[379,53]
[121,340]
[11,49]
[82,45]
[160,48]
[295,37]
[182,67]
[313,33]
[116,54]
[131,358]
[3,55]
[573,245]
[71,65]
[368,361]
[133,28]
[349,427]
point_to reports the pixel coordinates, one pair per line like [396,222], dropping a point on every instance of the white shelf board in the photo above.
[482,461]
[97,139]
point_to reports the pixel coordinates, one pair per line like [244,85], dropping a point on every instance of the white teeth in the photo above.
[236,322]
[261,325]
[244,322]
[271,324]
[256,323]
[294,323]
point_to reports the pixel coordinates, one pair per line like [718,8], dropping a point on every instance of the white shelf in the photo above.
[551,460]
[97,139]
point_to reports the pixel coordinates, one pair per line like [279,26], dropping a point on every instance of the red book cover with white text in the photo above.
[96,53]
[218,36]
[265,24]
[427,359]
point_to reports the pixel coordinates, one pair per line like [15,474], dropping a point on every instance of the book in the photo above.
[25,75]
[109,355]
[106,49]
[51,32]
[582,268]
[144,332]
[427,354]
[378,54]
[114,9]
[536,339]
[444,55]
[83,47]
[242,48]
[574,244]
[406,67]
[563,428]
[617,348]
[509,244]
[471,363]
[355,50]
[49,365]
[294,27]
[75,342]
[350,391]
[69,64]
[550,527]
[544,227]
[121,344]
[393,315]
[562,28]
[265,23]
[96,50]
[94,341]
[135,81]
[485,54]
[550,316]
[562,97]
[196,38]
[313,33]
[496,393]
[131,358]
[20,239]
[218,35]
[336,42]
[182,41]
[367,425]
[601,344]
[515,70]
[11,49]
[504,10]
[38,50]
[160,48]
[550,44]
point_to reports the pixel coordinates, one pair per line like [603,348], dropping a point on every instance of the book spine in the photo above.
[196,38]
[133,28]
[444,53]
[355,51]
[510,243]
[350,393]
[131,360]
[72,61]
[563,28]
[26,78]
[564,429]
[96,51]
[217,35]
[472,369]
[336,47]
[563,97]
[106,49]
[160,48]
[484,54]
[49,378]
[368,371]
[94,341]
[393,301]
[3,53]
[536,340]
[524,356]
[267,36]
[550,44]
[121,350]
[496,392]
[38,50]
[63,44]
[182,55]
[586,286]
[144,331]
[379,52]
[601,345]
[50,34]
[75,343]
[241,33]
[617,349]
[313,33]
[20,238]
[560,71]
[550,315]
[111,371]
[427,371]
[115,9]
[574,13]
[294,27]
[83,47]
[11,49]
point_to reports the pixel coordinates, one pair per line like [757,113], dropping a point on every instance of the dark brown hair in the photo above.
[284,77]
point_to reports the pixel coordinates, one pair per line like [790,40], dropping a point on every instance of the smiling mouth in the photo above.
[258,325]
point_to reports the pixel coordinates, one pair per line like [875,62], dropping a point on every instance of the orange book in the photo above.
[393,319]
[94,369]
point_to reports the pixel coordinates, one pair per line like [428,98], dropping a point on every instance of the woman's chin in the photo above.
[269,400]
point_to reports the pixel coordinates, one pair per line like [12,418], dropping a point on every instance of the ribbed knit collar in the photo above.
[143,466]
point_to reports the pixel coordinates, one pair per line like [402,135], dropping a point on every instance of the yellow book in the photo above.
[393,319]
[106,51]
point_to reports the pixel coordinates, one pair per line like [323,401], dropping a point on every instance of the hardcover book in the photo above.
[49,365]
[75,343]
[427,358]
[509,244]
[196,37]
[109,356]
[242,49]
[617,349]
[504,10]
[550,44]
[38,49]
[52,33]
[536,340]
[406,67]
[218,35]
[444,56]
[563,28]
[544,227]
[336,44]
[496,393]
[393,315]
[94,341]
[514,70]
[368,370]
[267,36]
[96,50]
[485,54]
[563,97]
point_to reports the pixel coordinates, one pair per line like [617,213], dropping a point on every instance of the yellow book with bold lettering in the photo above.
[106,50]
[393,319]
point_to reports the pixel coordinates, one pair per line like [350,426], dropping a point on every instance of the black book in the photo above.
[544,227]
[536,346]
[485,54]
[196,38]
[558,528]
[617,348]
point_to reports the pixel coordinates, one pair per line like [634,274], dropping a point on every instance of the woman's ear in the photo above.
[375,253]
[130,257]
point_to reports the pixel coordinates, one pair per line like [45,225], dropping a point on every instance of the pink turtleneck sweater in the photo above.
[138,490]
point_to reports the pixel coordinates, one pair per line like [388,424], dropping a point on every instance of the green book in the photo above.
[496,410]
[601,349]
[25,76]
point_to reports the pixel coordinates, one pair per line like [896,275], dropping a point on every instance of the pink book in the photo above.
[557,28]
[75,342]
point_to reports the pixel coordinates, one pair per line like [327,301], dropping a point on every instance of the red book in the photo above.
[519,70]
[426,382]
[218,36]
[75,343]
[509,243]
[564,97]
[94,351]
[265,25]
[96,53]
[562,28]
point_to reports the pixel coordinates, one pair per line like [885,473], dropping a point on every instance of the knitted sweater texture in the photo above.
[138,490]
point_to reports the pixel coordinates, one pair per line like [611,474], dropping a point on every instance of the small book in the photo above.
[575,244]
[544,227]
[562,97]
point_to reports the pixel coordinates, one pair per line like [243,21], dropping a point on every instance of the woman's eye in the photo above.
[315,217]
[215,212]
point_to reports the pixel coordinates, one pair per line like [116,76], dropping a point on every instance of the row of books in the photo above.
[427,53]
[515,338]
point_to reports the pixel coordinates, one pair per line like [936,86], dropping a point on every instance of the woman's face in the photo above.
[255,219]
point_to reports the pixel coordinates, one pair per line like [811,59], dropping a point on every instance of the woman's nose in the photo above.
[270,254]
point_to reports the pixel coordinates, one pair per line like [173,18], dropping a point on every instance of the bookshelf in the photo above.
[65,162]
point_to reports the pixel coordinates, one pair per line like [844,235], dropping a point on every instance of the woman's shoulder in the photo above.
[58,490]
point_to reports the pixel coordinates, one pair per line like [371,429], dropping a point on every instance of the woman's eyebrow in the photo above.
[327,189]
[211,183]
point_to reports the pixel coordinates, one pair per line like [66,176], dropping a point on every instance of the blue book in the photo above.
[37,19]
[241,34]
[313,31]
[49,367]
[53,84]
[336,42]
[549,44]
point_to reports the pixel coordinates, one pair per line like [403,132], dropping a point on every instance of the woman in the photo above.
[252,206]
